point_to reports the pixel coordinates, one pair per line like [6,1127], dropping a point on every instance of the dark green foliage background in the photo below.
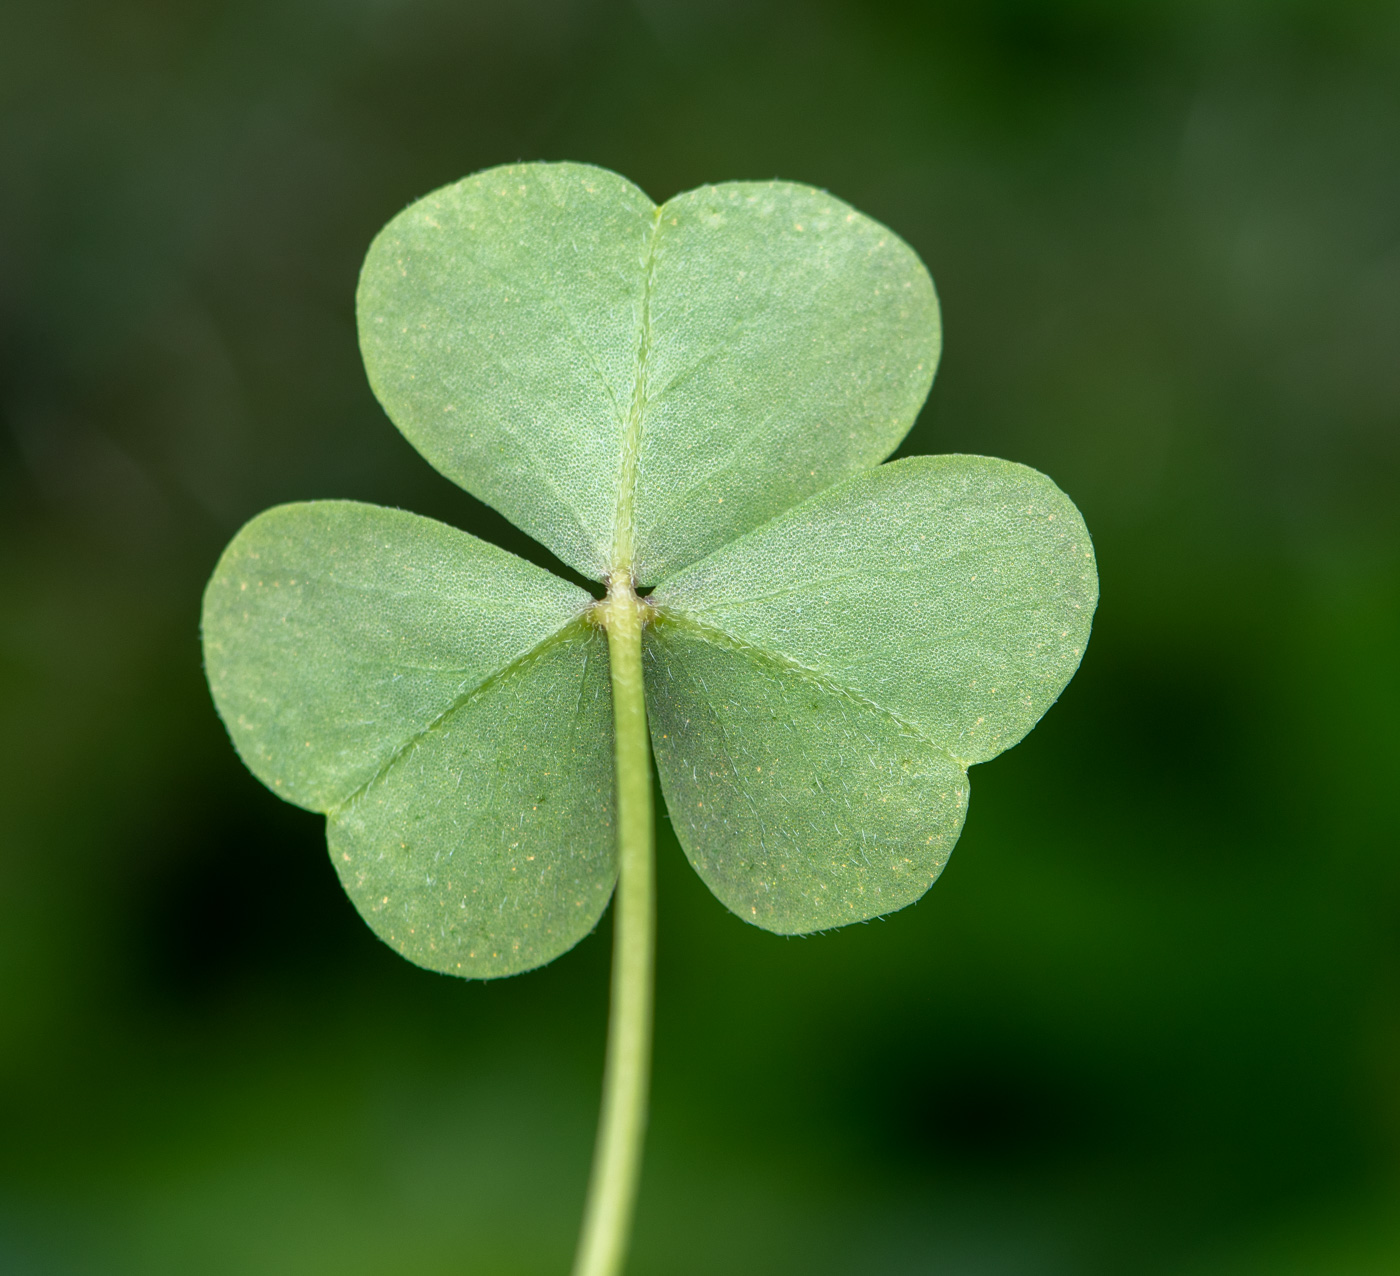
[1148,1020]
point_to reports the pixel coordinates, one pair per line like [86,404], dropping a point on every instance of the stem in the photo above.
[617,1157]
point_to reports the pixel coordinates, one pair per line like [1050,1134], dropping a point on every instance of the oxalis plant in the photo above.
[689,404]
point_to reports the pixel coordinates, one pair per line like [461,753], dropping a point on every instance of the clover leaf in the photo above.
[693,397]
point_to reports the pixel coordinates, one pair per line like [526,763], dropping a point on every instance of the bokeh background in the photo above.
[1149,1019]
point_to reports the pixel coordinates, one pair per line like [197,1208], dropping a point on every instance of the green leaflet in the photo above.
[634,386]
[365,661]
[879,637]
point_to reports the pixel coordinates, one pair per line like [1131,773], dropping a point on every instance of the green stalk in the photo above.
[617,1157]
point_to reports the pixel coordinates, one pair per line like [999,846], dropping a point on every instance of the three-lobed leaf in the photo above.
[693,394]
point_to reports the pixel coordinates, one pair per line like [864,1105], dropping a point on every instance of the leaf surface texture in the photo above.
[932,608]
[366,660]
[635,385]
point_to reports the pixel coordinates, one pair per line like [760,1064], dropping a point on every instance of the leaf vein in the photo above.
[719,637]
[567,631]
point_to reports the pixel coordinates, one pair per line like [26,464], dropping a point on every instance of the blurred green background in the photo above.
[1149,1019]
